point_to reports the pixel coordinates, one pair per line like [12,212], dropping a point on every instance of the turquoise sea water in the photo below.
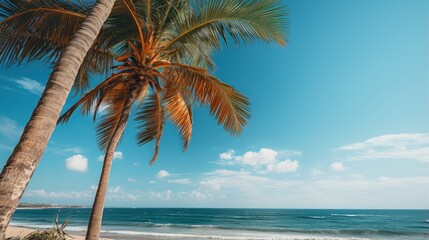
[237,224]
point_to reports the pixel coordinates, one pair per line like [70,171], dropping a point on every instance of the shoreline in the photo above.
[13,231]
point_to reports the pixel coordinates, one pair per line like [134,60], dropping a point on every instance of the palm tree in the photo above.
[166,68]
[24,36]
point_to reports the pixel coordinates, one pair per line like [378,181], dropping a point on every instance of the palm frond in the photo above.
[118,104]
[179,112]
[39,30]
[227,105]
[198,54]
[32,30]
[150,118]
[95,96]
[244,21]
[98,61]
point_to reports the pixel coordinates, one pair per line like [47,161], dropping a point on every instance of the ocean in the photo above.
[238,224]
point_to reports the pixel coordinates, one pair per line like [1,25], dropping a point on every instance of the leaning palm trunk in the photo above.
[25,157]
[94,224]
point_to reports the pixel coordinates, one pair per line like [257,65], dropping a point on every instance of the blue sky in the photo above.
[339,120]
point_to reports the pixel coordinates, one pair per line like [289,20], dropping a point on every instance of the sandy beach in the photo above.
[20,231]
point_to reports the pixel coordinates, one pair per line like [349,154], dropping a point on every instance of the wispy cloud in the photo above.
[9,128]
[413,146]
[32,86]
[224,187]
[60,149]
[264,160]
[114,193]
[163,196]
[132,180]
[180,181]
[116,155]
[251,190]
[60,194]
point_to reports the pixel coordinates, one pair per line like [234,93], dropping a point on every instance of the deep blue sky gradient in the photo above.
[353,70]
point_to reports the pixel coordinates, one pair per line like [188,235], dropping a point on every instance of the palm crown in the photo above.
[164,53]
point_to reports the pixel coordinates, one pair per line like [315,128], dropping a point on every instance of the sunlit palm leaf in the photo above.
[93,97]
[230,108]
[150,118]
[179,113]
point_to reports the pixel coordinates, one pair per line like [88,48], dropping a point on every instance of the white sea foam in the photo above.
[30,225]
[355,215]
[45,226]
[229,235]
[243,236]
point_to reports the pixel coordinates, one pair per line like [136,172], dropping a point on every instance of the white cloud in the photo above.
[9,128]
[247,189]
[77,163]
[162,174]
[264,160]
[116,189]
[213,184]
[164,196]
[199,196]
[227,155]
[414,146]
[114,194]
[263,157]
[59,195]
[116,155]
[283,166]
[30,85]
[180,181]
[132,180]
[337,166]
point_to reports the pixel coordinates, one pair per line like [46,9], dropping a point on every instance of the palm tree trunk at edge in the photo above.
[25,157]
[95,220]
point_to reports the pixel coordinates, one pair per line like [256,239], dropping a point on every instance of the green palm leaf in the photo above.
[245,21]
[35,30]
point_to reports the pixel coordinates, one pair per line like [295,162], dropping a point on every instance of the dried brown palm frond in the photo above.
[150,118]
[179,112]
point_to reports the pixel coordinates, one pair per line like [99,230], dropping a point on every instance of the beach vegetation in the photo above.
[55,233]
